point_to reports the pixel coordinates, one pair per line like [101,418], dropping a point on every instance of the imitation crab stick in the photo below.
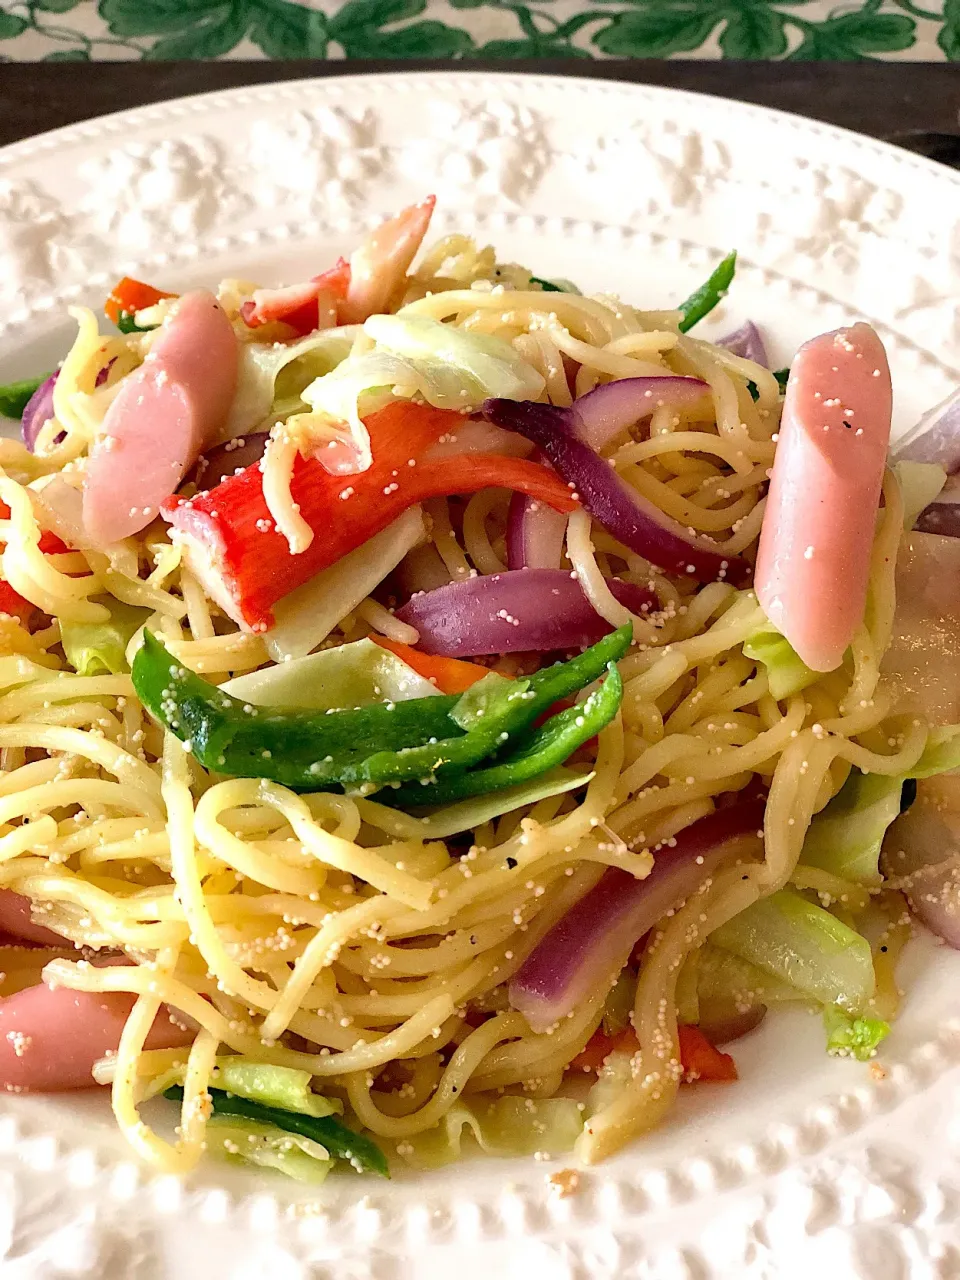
[814,557]
[165,414]
[247,566]
[349,292]
[305,307]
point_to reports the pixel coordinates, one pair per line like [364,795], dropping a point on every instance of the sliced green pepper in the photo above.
[15,396]
[512,711]
[310,751]
[301,749]
[546,285]
[542,750]
[127,323]
[341,1142]
[702,301]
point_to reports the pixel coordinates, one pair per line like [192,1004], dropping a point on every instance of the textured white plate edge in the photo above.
[660,1190]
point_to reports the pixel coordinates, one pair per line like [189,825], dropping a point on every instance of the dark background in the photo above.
[913,104]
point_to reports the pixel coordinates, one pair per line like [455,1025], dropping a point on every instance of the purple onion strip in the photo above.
[612,407]
[38,411]
[587,948]
[747,342]
[935,438]
[626,514]
[524,610]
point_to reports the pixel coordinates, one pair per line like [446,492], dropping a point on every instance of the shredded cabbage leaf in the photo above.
[351,675]
[475,811]
[243,1141]
[508,1126]
[787,673]
[414,357]
[941,754]
[98,648]
[804,945]
[283,1087]
[272,376]
[853,1037]
[845,837]
[726,979]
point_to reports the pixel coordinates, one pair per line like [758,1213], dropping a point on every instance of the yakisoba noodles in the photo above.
[389,717]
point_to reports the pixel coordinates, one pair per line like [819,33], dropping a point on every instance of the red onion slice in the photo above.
[38,410]
[943,516]
[624,513]
[747,342]
[535,534]
[586,949]
[935,438]
[225,460]
[612,407]
[921,854]
[520,611]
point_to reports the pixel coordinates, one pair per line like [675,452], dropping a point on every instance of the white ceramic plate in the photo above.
[807,1164]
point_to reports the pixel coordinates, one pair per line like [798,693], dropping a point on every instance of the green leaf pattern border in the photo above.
[501,30]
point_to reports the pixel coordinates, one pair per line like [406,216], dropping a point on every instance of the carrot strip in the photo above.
[700,1060]
[450,675]
[129,296]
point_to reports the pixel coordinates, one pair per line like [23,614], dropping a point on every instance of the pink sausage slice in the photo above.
[165,414]
[50,1037]
[16,920]
[818,527]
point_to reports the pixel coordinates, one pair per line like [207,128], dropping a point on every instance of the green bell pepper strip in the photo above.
[702,301]
[15,396]
[544,749]
[127,323]
[341,1142]
[513,711]
[300,749]
[310,751]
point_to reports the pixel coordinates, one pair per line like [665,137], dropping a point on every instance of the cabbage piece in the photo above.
[800,943]
[306,616]
[845,837]
[853,1037]
[98,648]
[508,1126]
[243,1141]
[282,1087]
[787,673]
[726,979]
[272,375]
[619,1004]
[351,675]
[465,815]
[414,357]
[920,484]
[941,754]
